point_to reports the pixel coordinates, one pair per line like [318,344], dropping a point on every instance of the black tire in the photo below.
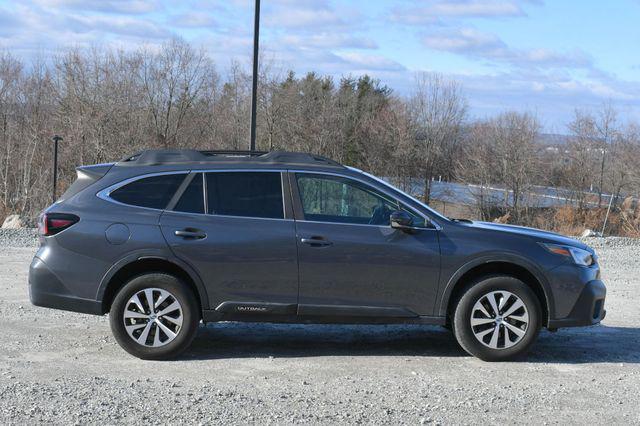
[463,310]
[190,316]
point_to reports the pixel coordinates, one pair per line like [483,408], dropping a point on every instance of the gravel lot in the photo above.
[65,368]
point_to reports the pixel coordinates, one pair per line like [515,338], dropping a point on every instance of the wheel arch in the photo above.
[136,265]
[502,265]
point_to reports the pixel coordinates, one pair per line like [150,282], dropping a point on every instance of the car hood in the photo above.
[543,236]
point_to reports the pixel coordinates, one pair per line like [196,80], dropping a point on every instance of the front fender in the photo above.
[495,257]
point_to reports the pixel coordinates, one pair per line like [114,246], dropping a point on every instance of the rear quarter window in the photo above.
[153,192]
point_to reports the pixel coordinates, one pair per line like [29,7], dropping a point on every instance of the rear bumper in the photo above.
[588,309]
[46,290]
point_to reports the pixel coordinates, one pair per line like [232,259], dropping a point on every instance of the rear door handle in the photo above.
[316,241]
[191,234]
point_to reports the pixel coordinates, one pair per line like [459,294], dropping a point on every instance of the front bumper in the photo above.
[46,290]
[588,309]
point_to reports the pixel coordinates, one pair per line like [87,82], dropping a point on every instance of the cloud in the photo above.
[313,35]
[465,40]
[310,16]
[574,58]
[555,94]
[9,22]
[122,25]
[327,40]
[44,29]
[480,45]
[108,6]
[335,64]
[367,63]
[303,18]
[438,10]
[476,9]
[191,20]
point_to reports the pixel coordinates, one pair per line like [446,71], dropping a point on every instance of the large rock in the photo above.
[14,221]
[590,233]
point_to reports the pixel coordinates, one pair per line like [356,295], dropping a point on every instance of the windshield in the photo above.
[388,185]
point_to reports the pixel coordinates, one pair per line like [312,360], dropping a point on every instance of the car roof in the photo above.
[214,159]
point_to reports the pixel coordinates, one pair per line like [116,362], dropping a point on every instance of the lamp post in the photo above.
[254,88]
[56,139]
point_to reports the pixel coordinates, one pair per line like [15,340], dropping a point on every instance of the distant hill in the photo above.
[554,139]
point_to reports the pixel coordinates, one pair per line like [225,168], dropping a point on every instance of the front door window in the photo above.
[338,200]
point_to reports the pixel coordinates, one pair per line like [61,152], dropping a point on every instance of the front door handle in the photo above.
[191,234]
[316,241]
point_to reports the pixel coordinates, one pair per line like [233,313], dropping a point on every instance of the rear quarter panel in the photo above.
[81,255]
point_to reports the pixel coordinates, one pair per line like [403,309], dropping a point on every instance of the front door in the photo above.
[351,262]
[233,229]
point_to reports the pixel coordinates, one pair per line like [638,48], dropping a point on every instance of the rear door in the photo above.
[236,229]
[351,262]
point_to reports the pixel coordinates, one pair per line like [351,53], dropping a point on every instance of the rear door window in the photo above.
[153,192]
[246,194]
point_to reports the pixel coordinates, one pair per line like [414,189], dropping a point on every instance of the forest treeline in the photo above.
[110,103]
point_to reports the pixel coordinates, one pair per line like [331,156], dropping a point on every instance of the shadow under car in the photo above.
[594,344]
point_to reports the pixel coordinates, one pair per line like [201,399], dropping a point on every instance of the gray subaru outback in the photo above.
[163,240]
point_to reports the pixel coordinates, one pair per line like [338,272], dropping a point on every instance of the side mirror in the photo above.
[401,220]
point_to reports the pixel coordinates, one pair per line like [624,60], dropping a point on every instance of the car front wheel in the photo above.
[497,318]
[154,316]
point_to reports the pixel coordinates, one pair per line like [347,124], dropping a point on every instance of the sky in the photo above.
[548,57]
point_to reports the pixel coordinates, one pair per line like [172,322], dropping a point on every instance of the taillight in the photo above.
[52,223]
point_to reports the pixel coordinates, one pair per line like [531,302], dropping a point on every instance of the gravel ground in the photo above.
[11,238]
[64,368]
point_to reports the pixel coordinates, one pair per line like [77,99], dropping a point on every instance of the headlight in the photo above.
[579,256]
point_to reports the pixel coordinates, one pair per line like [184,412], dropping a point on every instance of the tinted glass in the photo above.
[192,200]
[153,192]
[249,194]
[334,199]
[418,221]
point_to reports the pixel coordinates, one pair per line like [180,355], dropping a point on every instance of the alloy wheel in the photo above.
[153,317]
[499,319]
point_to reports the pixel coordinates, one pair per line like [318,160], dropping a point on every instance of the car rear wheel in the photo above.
[154,316]
[497,318]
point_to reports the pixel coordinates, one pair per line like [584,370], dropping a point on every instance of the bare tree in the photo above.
[110,103]
[503,152]
[10,81]
[173,80]
[596,133]
[475,168]
[438,111]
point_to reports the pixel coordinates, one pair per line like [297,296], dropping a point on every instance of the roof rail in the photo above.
[238,153]
[298,157]
[152,157]
[181,156]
